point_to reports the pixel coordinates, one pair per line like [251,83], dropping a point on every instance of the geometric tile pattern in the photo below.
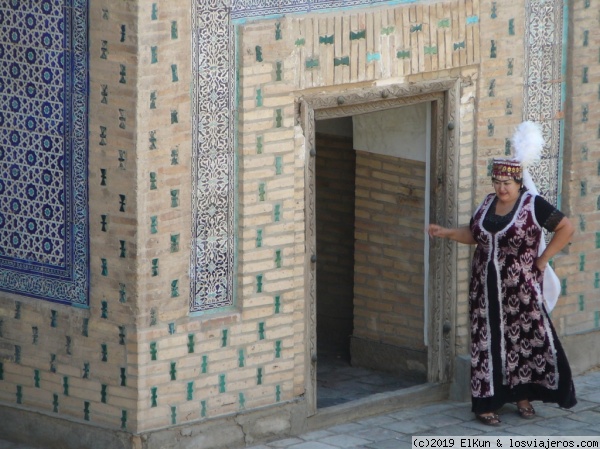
[43,150]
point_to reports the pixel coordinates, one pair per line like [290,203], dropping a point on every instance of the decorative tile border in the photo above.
[544,25]
[213,186]
[44,145]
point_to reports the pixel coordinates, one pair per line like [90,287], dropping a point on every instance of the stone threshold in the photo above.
[379,403]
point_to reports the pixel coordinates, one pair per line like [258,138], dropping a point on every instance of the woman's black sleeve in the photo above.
[546,214]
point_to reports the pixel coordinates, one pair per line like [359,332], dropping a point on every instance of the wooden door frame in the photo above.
[443,95]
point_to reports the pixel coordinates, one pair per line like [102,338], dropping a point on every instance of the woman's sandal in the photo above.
[527,412]
[489,420]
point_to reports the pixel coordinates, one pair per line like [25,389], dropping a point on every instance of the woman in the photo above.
[515,353]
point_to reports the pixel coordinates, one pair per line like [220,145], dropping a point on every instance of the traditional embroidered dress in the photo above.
[515,353]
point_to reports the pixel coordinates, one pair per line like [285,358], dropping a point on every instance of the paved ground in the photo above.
[394,430]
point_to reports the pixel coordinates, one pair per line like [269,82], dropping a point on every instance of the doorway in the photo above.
[371,190]
[390,317]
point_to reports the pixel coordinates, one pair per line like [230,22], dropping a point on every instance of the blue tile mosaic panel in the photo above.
[43,149]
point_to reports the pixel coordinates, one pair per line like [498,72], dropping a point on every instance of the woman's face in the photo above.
[507,190]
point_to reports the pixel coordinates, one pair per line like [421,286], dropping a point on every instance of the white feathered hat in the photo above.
[528,143]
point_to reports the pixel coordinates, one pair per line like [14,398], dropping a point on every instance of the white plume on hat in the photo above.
[528,143]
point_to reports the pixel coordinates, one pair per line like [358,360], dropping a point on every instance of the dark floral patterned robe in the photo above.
[514,349]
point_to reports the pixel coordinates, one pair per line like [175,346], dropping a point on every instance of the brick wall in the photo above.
[578,310]
[335,185]
[501,108]
[151,364]
[91,365]
[389,270]
[136,359]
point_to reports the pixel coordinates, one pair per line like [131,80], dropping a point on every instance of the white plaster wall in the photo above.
[400,132]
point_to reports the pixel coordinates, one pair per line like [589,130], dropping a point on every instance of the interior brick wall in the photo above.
[389,270]
[335,186]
